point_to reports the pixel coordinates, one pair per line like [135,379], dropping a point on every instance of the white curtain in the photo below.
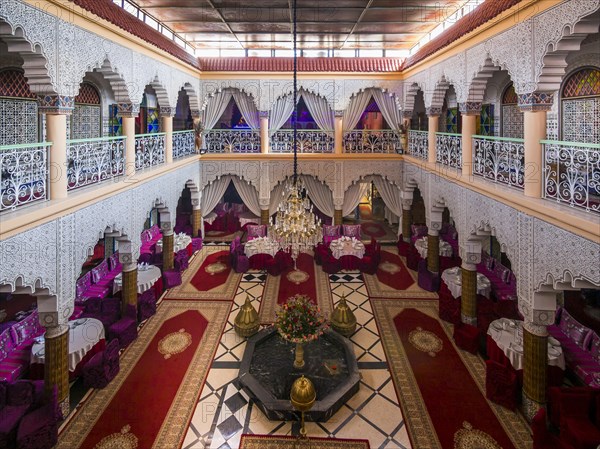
[390,194]
[280,112]
[355,109]
[276,197]
[320,111]
[353,195]
[246,105]
[215,107]
[389,109]
[319,194]
[248,194]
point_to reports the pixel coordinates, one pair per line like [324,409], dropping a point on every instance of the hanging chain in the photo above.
[295,113]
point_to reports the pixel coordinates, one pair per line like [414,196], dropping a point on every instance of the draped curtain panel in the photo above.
[390,193]
[353,195]
[212,194]
[280,113]
[320,111]
[355,109]
[319,194]
[215,107]
[389,109]
[276,197]
[248,194]
[245,104]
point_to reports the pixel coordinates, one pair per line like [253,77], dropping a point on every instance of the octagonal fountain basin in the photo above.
[267,373]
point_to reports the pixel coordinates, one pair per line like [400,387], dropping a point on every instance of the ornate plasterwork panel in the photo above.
[337,92]
[251,171]
[353,171]
[29,259]
[67,269]
[39,28]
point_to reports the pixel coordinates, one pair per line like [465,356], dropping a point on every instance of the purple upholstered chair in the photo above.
[330,233]
[181,260]
[239,261]
[427,280]
[171,278]
[351,231]
[146,304]
[39,428]
[102,367]
[501,384]
[369,264]
[331,265]
[196,244]
[125,330]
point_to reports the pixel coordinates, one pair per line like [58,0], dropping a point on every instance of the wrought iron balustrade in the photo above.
[231,141]
[372,141]
[90,161]
[418,143]
[24,175]
[572,174]
[499,159]
[183,143]
[448,149]
[149,150]
[309,141]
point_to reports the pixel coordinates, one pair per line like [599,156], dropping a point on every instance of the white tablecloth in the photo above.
[342,247]
[84,333]
[508,335]
[422,243]
[453,279]
[248,217]
[261,245]
[210,218]
[145,279]
[180,241]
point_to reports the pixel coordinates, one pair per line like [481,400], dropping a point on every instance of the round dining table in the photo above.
[350,247]
[146,277]
[180,241]
[422,243]
[453,279]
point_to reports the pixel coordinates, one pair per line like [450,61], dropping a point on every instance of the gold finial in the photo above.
[303,397]
[342,319]
[246,322]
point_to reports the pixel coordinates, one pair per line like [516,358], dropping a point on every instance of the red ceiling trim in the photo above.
[257,64]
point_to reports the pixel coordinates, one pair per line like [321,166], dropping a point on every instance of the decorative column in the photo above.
[538,315]
[338,132]
[264,131]
[56,364]
[196,214]
[471,256]
[57,109]
[433,115]
[471,112]
[433,238]
[338,218]
[406,116]
[197,129]
[407,198]
[166,125]
[130,273]
[535,106]
[167,238]
[264,217]
[128,112]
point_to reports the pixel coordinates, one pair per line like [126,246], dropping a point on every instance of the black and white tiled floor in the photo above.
[224,412]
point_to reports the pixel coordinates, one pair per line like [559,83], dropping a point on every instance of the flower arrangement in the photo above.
[298,320]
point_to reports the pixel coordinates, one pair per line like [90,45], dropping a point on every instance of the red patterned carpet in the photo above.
[449,393]
[393,273]
[373,229]
[213,272]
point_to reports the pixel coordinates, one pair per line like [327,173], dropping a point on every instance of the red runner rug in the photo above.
[285,442]
[152,399]
[393,272]
[373,229]
[213,272]
[308,279]
[449,393]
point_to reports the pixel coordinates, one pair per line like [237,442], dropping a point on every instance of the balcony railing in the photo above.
[372,141]
[499,159]
[418,144]
[309,141]
[183,143]
[149,150]
[231,141]
[24,176]
[90,161]
[572,174]
[448,149]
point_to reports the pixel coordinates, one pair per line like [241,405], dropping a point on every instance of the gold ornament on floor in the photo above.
[342,319]
[468,437]
[119,440]
[174,343]
[246,322]
[303,397]
[425,341]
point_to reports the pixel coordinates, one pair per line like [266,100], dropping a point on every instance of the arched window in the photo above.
[580,106]
[86,120]
[18,109]
[512,117]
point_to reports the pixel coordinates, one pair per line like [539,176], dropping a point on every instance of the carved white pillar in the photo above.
[433,116]
[264,131]
[128,112]
[338,132]
[471,112]
[166,126]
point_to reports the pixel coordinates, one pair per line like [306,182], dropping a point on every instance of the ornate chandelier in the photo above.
[295,227]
